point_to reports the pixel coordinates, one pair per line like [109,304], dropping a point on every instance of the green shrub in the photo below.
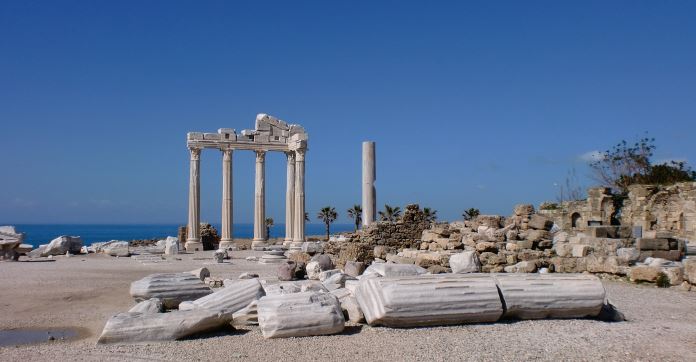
[662,280]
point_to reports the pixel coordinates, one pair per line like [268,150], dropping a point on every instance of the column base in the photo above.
[258,244]
[193,245]
[286,243]
[226,244]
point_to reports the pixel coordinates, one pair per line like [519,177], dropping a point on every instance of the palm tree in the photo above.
[306,216]
[429,214]
[327,215]
[269,224]
[471,213]
[355,213]
[390,214]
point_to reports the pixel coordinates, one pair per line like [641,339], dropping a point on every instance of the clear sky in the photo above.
[472,104]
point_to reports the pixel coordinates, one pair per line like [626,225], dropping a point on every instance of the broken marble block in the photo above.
[247,316]
[232,298]
[350,305]
[389,270]
[428,300]
[300,315]
[537,296]
[152,305]
[297,286]
[465,262]
[116,248]
[146,327]
[62,245]
[171,288]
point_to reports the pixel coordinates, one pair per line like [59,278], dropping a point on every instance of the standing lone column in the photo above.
[369,197]
[260,201]
[227,215]
[193,238]
[290,199]
[299,215]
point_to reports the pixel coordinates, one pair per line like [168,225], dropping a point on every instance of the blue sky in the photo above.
[472,104]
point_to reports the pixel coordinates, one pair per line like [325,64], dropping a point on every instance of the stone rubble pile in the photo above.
[525,242]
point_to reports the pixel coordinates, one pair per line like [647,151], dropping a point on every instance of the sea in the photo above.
[37,234]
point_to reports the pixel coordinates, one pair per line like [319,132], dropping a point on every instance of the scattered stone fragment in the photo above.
[252,258]
[220,255]
[354,268]
[352,308]
[286,270]
[201,273]
[116,248]
[152,305]
[247,316]
[465,262]
[300,315]
[393,270]
[62,245]
[247,276]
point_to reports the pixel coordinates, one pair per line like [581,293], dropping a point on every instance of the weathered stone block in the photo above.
[465,262]
[644,273]
[580,250]
[652,244]
[690,270]
[540,222]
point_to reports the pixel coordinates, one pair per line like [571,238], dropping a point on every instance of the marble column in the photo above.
[193,237]
[227,214]
[299,224]
[260,201]
[369,197]
[290,199]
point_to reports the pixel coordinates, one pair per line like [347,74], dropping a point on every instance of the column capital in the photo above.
[226,153]
[260,155]
[300,154]
[195,153]
[290,155]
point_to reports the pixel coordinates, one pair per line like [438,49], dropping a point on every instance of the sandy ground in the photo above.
[83,291]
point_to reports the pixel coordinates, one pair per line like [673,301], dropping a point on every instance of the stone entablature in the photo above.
[270,134]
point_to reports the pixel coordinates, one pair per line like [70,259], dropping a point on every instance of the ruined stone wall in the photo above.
[669,209]
[403,233]
[663,209]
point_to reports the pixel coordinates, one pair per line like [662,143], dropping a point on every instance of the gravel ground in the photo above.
[83,291]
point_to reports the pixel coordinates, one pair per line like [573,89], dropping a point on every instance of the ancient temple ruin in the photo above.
[270,134]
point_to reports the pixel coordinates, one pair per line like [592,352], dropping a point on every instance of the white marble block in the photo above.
[146,327]
[389,270]
[232,298]
[172,288]
[429,300]
[537,296]
[300,315]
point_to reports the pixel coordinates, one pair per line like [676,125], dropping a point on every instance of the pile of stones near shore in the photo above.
[525,242]
[173,306]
